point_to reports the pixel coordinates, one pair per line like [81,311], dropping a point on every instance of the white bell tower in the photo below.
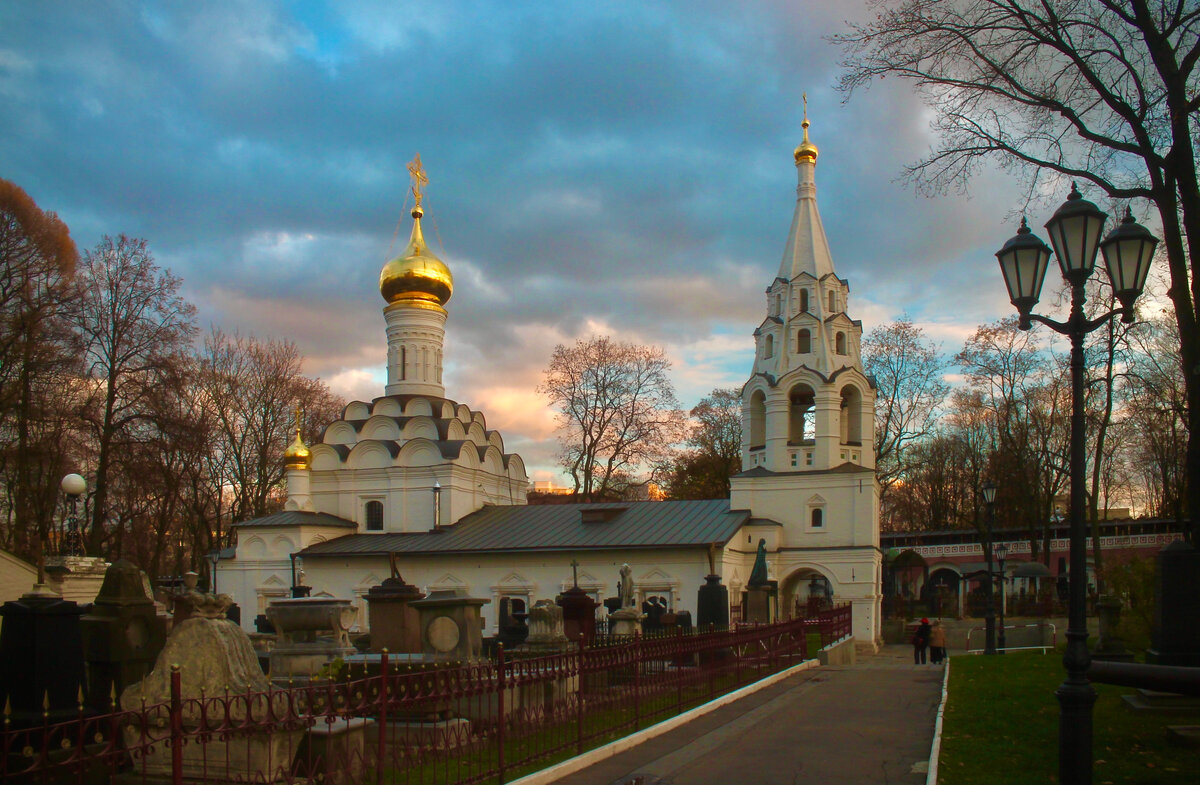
[808,424]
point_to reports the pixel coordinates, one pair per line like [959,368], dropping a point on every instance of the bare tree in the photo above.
[136,330]
[38,365]
[617,410]
[251,389]
[715,454]
[908,369]
[1103,91]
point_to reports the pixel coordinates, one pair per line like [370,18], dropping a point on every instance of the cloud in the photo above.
[595,168]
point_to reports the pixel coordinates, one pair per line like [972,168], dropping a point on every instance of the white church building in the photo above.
[415,476]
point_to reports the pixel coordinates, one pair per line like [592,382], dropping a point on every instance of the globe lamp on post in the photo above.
[74,486]
[1075,231]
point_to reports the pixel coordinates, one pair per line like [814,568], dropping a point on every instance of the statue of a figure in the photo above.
[758,575]
[626,586]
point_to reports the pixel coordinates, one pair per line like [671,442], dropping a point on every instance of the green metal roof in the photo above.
[542,527]
[299,518]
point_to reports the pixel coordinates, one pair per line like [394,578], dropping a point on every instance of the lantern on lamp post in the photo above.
[1075,231]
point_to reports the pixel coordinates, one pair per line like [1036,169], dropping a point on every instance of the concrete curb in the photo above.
[572,765]
[935,749]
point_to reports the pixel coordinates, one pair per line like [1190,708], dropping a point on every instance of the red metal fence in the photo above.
[383,721]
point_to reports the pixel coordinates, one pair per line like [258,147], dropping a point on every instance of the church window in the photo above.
[840,344]
[403,358]
[769,347]
[778,304]
[374,516]
[832,302]
[803,342]
[804,301]
[758,420]
[800,414]
[818,518]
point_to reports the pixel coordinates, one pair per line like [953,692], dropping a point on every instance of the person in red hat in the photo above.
[920,642]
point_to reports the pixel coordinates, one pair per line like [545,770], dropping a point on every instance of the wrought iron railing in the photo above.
[380,721]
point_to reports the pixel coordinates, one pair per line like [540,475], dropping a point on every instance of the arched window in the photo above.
[769,347]
[800,408]
[852,419]
[374,516]
[778,304]
[840,343]
[758,420]
[803,342]
[804,301]
[832,302]
[403,362]
[818,518]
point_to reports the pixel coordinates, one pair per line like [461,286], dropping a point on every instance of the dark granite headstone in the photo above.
[712,604]
[41,657]
[122,635]
[1175,639]
[579,614]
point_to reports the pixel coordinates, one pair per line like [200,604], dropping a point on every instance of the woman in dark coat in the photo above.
[920,642]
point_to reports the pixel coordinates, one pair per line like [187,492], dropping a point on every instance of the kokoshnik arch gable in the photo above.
[416,477]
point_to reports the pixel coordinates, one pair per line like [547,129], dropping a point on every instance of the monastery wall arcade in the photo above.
[417,480]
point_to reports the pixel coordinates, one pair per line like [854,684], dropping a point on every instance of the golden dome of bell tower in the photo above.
[416,285]
[416,276]
[807,151]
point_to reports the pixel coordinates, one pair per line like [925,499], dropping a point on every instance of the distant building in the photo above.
[418,476]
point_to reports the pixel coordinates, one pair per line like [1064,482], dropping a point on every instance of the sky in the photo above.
[595,168]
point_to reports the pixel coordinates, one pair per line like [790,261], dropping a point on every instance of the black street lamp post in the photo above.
[989,616]
[73,486]
[1001,551]
[1075,233]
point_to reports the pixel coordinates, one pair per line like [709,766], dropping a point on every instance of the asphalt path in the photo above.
[867,723]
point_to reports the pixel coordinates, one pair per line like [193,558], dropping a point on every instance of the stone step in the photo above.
[1161,702]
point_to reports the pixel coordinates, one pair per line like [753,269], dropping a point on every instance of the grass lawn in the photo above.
[1001,726]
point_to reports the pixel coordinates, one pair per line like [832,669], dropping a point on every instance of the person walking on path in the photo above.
[920,642]
[937,643]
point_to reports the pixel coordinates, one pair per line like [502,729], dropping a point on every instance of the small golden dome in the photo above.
[807,151]
[416,275]
[297,455]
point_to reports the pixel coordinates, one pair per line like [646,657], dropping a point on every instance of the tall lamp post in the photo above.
[73,486]
[989,616]
[1001,551]
[1075,234]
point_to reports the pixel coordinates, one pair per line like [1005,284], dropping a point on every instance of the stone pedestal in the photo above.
[312,631]
[122,635]
[1176,636]
[451,627]
[214,656]
[758,606]
[395,624]
[76,578]
[579,614]
[41,657]
[546,633]
[626,621]
[712,605]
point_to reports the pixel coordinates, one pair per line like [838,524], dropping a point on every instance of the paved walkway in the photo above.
[869,723]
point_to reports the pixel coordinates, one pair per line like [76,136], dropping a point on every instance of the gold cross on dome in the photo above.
[419,178]
[297,421]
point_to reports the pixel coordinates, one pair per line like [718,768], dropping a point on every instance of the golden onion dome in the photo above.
[297,455]
[807,151]
[416,275]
